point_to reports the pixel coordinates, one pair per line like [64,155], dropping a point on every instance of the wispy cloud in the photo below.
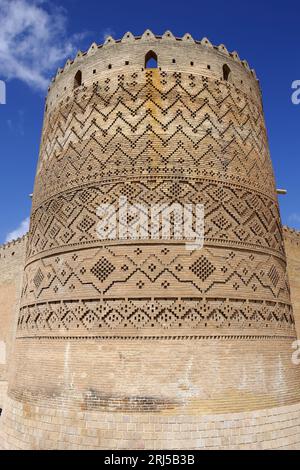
[294,218]
[33,40]
[16,125]
[19,231]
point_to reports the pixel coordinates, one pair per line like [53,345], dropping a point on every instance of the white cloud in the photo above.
[33,40]
[18,232]
[294,218]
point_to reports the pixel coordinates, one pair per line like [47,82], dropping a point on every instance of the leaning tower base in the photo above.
[34,427]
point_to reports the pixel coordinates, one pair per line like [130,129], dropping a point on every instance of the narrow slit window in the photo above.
[226,72]
[151,60]
[78,79]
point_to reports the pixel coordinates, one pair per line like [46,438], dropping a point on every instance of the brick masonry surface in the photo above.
[145,344]
[292,248]
[37,427]
[12,257]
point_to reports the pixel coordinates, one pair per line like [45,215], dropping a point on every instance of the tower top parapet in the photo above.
[196,56]
[147,36]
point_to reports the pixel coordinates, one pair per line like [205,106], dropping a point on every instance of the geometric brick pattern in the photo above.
[155,137]
[151,123]
[100,274]
[124,317]
[248,219]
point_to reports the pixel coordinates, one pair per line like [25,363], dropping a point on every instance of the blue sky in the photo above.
[37,36]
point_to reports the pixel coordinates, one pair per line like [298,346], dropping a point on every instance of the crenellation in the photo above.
[188,38]
[79,56]
[93,48]
[168,36]
[6,247]
[245,64]
[128,37]
[223,49]
[206,42]
[109,41]
[291,234]
[148,35]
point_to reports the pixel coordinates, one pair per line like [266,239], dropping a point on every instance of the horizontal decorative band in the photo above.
[161,338]
[181,317]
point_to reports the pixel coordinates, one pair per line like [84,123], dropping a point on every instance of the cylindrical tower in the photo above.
[143,343]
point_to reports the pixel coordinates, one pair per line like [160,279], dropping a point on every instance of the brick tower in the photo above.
[142,343]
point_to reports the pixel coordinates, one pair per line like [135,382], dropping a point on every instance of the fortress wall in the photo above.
[292,247]
[12,258]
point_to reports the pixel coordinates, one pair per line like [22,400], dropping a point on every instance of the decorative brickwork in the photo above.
[117,139]
[146,326]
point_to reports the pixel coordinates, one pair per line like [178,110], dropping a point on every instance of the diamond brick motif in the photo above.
[85,224]
[202,268]
[102,269]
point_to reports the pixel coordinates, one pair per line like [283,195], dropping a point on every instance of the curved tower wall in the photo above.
[143,343]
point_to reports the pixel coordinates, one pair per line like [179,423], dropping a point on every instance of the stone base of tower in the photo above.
[33,427]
